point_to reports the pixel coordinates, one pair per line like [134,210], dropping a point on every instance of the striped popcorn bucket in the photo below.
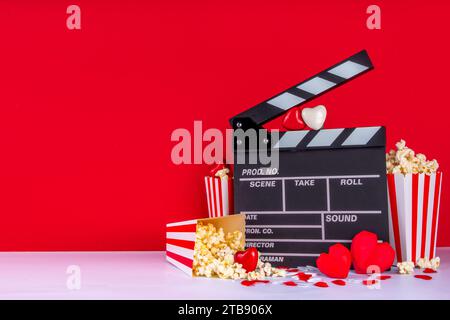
[414,214]
[219,194]
[180,238]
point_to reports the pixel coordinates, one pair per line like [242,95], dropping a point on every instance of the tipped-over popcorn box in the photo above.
[180,238]
[219,193]
[414,189]
[414,214]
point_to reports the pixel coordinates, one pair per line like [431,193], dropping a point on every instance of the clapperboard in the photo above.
[330,184]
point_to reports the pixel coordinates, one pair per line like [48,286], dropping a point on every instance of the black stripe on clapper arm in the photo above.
[341,138]
[379,139]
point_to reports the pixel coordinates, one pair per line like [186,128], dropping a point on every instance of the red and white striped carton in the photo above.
[414,201]
[180,238]
[219,193]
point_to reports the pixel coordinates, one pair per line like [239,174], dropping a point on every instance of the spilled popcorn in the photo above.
[214,256]
[404,160]
[406,267]
[433,264]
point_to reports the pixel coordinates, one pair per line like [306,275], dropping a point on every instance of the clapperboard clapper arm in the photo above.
[303,92]
[330,184]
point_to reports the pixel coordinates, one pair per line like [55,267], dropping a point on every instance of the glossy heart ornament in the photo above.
[314,117]
[293,120]
[336,263]
[248,259]
[369,256]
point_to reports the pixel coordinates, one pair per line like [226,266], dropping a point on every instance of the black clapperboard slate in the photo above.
[330,184]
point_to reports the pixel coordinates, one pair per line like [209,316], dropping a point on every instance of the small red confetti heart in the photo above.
[383,277]
[339,282]
[369,282]
[282,267]
[292,270]
[290,283]
[429,270]
[321,284]
[249,283]
[423,277]
[303,276]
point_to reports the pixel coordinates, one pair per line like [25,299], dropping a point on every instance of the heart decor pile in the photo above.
[368,256]
[297,119]
[370,259]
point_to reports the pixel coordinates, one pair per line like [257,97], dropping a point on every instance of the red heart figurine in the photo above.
[336,263]
[293,120]
[367,253]
[248,259]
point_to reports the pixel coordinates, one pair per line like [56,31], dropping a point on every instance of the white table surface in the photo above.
[147,275]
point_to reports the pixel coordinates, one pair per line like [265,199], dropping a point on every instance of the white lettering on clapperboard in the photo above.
[258,231]
[262,184]
[269,171]
[271,259]
[305,183]
[261,244]
[351,182]
[341,218]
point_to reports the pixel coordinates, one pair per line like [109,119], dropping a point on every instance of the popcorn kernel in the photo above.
[406,267]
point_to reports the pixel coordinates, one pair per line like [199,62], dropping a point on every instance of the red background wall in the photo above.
[86,116]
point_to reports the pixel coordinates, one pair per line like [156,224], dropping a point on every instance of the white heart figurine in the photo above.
[314,117]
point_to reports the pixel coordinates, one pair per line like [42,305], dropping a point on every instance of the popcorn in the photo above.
[424,263]
[435,263]
[214,256]
[406,267]
[404,160]
[222,173]
[277,272]
[219,185]
[415,191]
